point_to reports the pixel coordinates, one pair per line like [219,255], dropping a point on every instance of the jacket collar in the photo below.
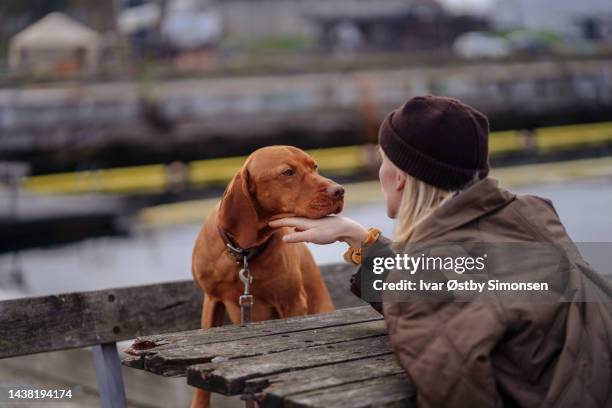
[481,198]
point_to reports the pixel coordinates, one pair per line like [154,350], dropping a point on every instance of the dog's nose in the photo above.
[335,191]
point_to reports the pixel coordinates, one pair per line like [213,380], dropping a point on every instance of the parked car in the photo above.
[474,45]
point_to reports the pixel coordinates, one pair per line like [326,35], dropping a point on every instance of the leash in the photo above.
[242,257]
[246,299]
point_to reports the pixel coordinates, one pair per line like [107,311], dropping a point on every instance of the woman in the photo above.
[504,353]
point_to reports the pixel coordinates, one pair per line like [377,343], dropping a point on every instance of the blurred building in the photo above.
[55,44]
[265,18]
[588,19]
[347,24]
[382,24]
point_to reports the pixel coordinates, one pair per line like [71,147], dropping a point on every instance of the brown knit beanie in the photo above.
[438,140]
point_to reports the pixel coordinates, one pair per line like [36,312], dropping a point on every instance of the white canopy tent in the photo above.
[54,42]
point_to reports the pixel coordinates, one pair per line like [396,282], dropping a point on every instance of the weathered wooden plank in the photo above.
[228,377]
[388,392]
[57,322]
[169,341]
[174,362]
[273,390]
[157,344]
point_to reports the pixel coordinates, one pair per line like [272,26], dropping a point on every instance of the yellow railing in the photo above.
[118,180]
[336,160]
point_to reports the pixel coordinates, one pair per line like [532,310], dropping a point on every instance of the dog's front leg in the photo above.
[295,306]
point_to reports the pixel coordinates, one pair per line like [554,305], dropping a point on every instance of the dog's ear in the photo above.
[237,213]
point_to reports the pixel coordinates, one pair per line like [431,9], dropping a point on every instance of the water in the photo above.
[157,255]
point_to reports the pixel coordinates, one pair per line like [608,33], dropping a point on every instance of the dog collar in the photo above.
[239,253]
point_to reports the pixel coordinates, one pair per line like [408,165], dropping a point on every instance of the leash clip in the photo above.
[245,275]
[246,299]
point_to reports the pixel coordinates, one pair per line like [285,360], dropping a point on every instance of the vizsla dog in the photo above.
[274,182]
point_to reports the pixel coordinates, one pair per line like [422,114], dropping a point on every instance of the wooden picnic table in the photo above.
[339,359]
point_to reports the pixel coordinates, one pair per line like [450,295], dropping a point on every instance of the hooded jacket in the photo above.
[504,352]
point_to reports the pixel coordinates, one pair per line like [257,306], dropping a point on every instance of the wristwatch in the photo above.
[353,255]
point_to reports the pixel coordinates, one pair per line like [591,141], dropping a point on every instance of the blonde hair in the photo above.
[419,200]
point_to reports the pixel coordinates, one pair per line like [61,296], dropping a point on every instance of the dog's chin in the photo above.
[339,207]
[323,211]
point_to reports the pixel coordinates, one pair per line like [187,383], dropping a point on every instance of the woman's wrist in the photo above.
[356,236]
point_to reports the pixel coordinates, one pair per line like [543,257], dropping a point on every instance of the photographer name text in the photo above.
[456,285]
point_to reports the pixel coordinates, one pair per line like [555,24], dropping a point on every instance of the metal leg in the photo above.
[108,374]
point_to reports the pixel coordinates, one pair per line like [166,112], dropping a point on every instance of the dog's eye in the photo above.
[288,172]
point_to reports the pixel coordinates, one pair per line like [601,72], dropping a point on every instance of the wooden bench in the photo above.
[104,317]
[331,360]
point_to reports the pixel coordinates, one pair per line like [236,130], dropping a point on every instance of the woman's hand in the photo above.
[323,230]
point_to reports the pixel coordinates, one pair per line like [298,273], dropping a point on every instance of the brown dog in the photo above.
[274,182]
